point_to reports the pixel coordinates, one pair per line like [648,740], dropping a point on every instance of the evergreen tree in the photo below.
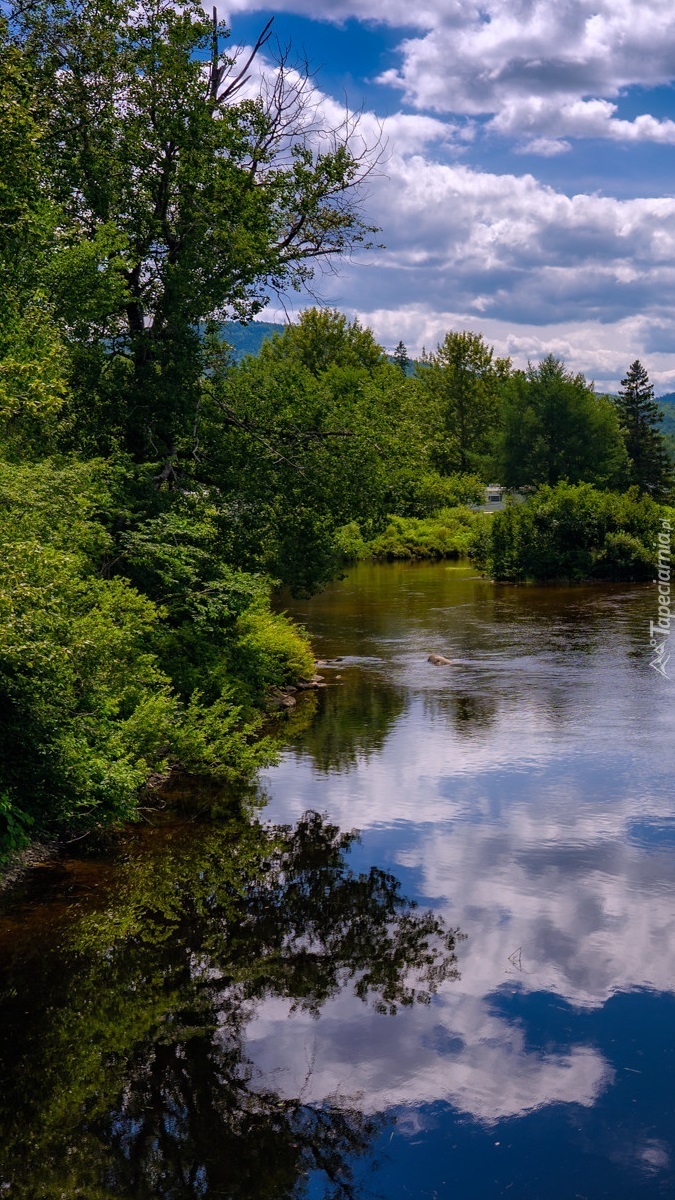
[639,416]
[401,357]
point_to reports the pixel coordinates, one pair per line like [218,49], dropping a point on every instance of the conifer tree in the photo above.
[639,415]
[401,357]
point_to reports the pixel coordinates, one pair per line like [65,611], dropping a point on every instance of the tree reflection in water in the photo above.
[130,1076]
[353,721]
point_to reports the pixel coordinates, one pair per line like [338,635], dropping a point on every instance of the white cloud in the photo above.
[545,147]
[527,65]
[398,13]
[513,257]
[589,276]
[549,118]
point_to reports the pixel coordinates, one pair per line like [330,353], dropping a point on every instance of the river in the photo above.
[239,1000]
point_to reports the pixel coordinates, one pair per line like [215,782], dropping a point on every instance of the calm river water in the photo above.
[248,1008]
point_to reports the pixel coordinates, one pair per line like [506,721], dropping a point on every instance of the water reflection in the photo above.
[358,711]
[123,1040]
[527,793]
[207,1031]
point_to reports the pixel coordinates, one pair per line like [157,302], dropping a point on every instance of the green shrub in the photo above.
[426,493]
[102,685]
[270,651]
[574,532]
[449,534]
[350,543]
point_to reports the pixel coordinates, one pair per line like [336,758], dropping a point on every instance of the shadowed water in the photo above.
[250,1008]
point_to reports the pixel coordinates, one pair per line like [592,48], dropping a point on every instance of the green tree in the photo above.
[639,415]
[401,358]
[466,381]
[323,338]
[555,427]
[315,432]
[33,362]
[183,199]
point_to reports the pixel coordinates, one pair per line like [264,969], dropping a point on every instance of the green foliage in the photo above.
[182,200]
[271,650]
[448,534]
[651,468]
[350,544]
[300,442]
[101,683]
[555,428]
[423,494]
[323,338]
[33,375]
[574,532]
[464,381]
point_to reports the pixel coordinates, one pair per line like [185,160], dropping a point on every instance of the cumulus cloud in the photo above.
[398,13]
[529,66]
[504,251]
[550,119]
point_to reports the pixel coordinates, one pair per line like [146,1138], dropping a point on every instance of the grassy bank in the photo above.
[450,533]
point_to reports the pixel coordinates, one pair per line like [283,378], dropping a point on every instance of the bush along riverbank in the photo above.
[572,533]
[566,533]
[125,648]
[450,533]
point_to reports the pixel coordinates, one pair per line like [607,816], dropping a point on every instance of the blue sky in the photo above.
[528,188]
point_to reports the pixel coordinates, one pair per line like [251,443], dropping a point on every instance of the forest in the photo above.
[157,491]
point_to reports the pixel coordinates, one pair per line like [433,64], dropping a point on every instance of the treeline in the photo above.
[153,492]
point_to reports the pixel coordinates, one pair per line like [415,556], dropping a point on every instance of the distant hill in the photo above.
[667,404]
[247,339]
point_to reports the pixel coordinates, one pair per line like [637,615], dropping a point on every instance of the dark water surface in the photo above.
[231,1008]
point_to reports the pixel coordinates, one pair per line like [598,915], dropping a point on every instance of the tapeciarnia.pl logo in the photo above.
[659,631]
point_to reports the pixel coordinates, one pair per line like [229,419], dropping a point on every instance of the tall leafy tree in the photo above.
[32,358]
[324,338]
[186,196]
[465,380]
[640,416]
[554,427]
[313,433]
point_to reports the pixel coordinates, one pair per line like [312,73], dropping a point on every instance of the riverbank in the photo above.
[562,534]
[451,533]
